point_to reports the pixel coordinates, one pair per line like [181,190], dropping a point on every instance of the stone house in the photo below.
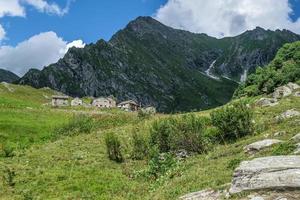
[58,101]
[76,102]
[129,105]
[104,102]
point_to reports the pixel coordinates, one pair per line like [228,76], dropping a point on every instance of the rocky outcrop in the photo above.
[285,90]
[257,146]
[203,195]
[264,102]
[281,92]
[288,114]
[161,66]
[276,172]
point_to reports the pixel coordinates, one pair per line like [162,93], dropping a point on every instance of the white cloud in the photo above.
[2,33]
[11,8]
[36,52]
[17,8]
[227,17]
[52,8]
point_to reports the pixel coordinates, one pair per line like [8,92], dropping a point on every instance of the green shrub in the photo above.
[9,176]
[159,164]
[285,148]
[282,70]
[232,164]
[177,133]
[233,121]
[8,150]
[113,146]
[78,124]
[139,146]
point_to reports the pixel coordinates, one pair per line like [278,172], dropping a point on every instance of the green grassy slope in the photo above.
[77,167]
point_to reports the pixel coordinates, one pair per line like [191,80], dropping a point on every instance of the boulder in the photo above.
[257,146]
[288,114]
[203,195]
[281,92]
[293,86]
[264,102]
[272,173]
[297,150]
[296,138]
[297,94]
[257,198]
[280,133]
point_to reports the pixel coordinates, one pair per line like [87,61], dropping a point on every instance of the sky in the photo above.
[36,33]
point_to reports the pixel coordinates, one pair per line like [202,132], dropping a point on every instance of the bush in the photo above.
[285,148]
[233,121]
[113,146]
[78,124]
[184,132]
[139,146]
[8,150]
[159,164]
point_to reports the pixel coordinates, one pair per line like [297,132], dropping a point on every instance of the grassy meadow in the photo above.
[52,158]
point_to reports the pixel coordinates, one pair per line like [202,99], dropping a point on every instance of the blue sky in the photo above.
[36,33]
[88,20]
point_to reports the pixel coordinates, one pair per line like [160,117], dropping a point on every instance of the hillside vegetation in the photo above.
[160,66]
[85,153]
[282,70]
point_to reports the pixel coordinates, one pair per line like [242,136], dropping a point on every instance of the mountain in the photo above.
[283,69]
[7,76]
[171,69]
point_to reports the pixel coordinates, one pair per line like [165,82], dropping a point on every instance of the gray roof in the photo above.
[128,102]
[60,97]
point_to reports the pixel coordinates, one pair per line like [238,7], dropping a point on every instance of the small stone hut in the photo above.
[76,102]
[129,105]
[59,101]
[104,102]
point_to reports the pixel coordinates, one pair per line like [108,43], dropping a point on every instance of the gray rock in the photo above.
[293,86]
[288,114]
[203,195]
[297,150]
[280,133]
[281,92]
[275,172]
[257,146]
[257,198]
[264,102]
[296,138]
[297,94]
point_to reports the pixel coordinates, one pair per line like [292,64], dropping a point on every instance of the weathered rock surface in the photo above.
[296,138]
[276,172]
[157,65]
[257,146]
[288,114]
[203,195]
[281,92]
[297,150]
[297,94]
[293,86]
[264,102]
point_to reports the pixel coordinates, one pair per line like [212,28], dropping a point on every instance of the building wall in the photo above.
[60,102]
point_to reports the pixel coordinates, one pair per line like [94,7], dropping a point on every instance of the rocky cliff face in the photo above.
[7,76]
[160,66]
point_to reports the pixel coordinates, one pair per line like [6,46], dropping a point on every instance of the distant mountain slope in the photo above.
[161,66]
[7,76]
[283,69]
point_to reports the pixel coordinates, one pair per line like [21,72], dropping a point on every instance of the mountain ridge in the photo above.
[160,66]
[7,76]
